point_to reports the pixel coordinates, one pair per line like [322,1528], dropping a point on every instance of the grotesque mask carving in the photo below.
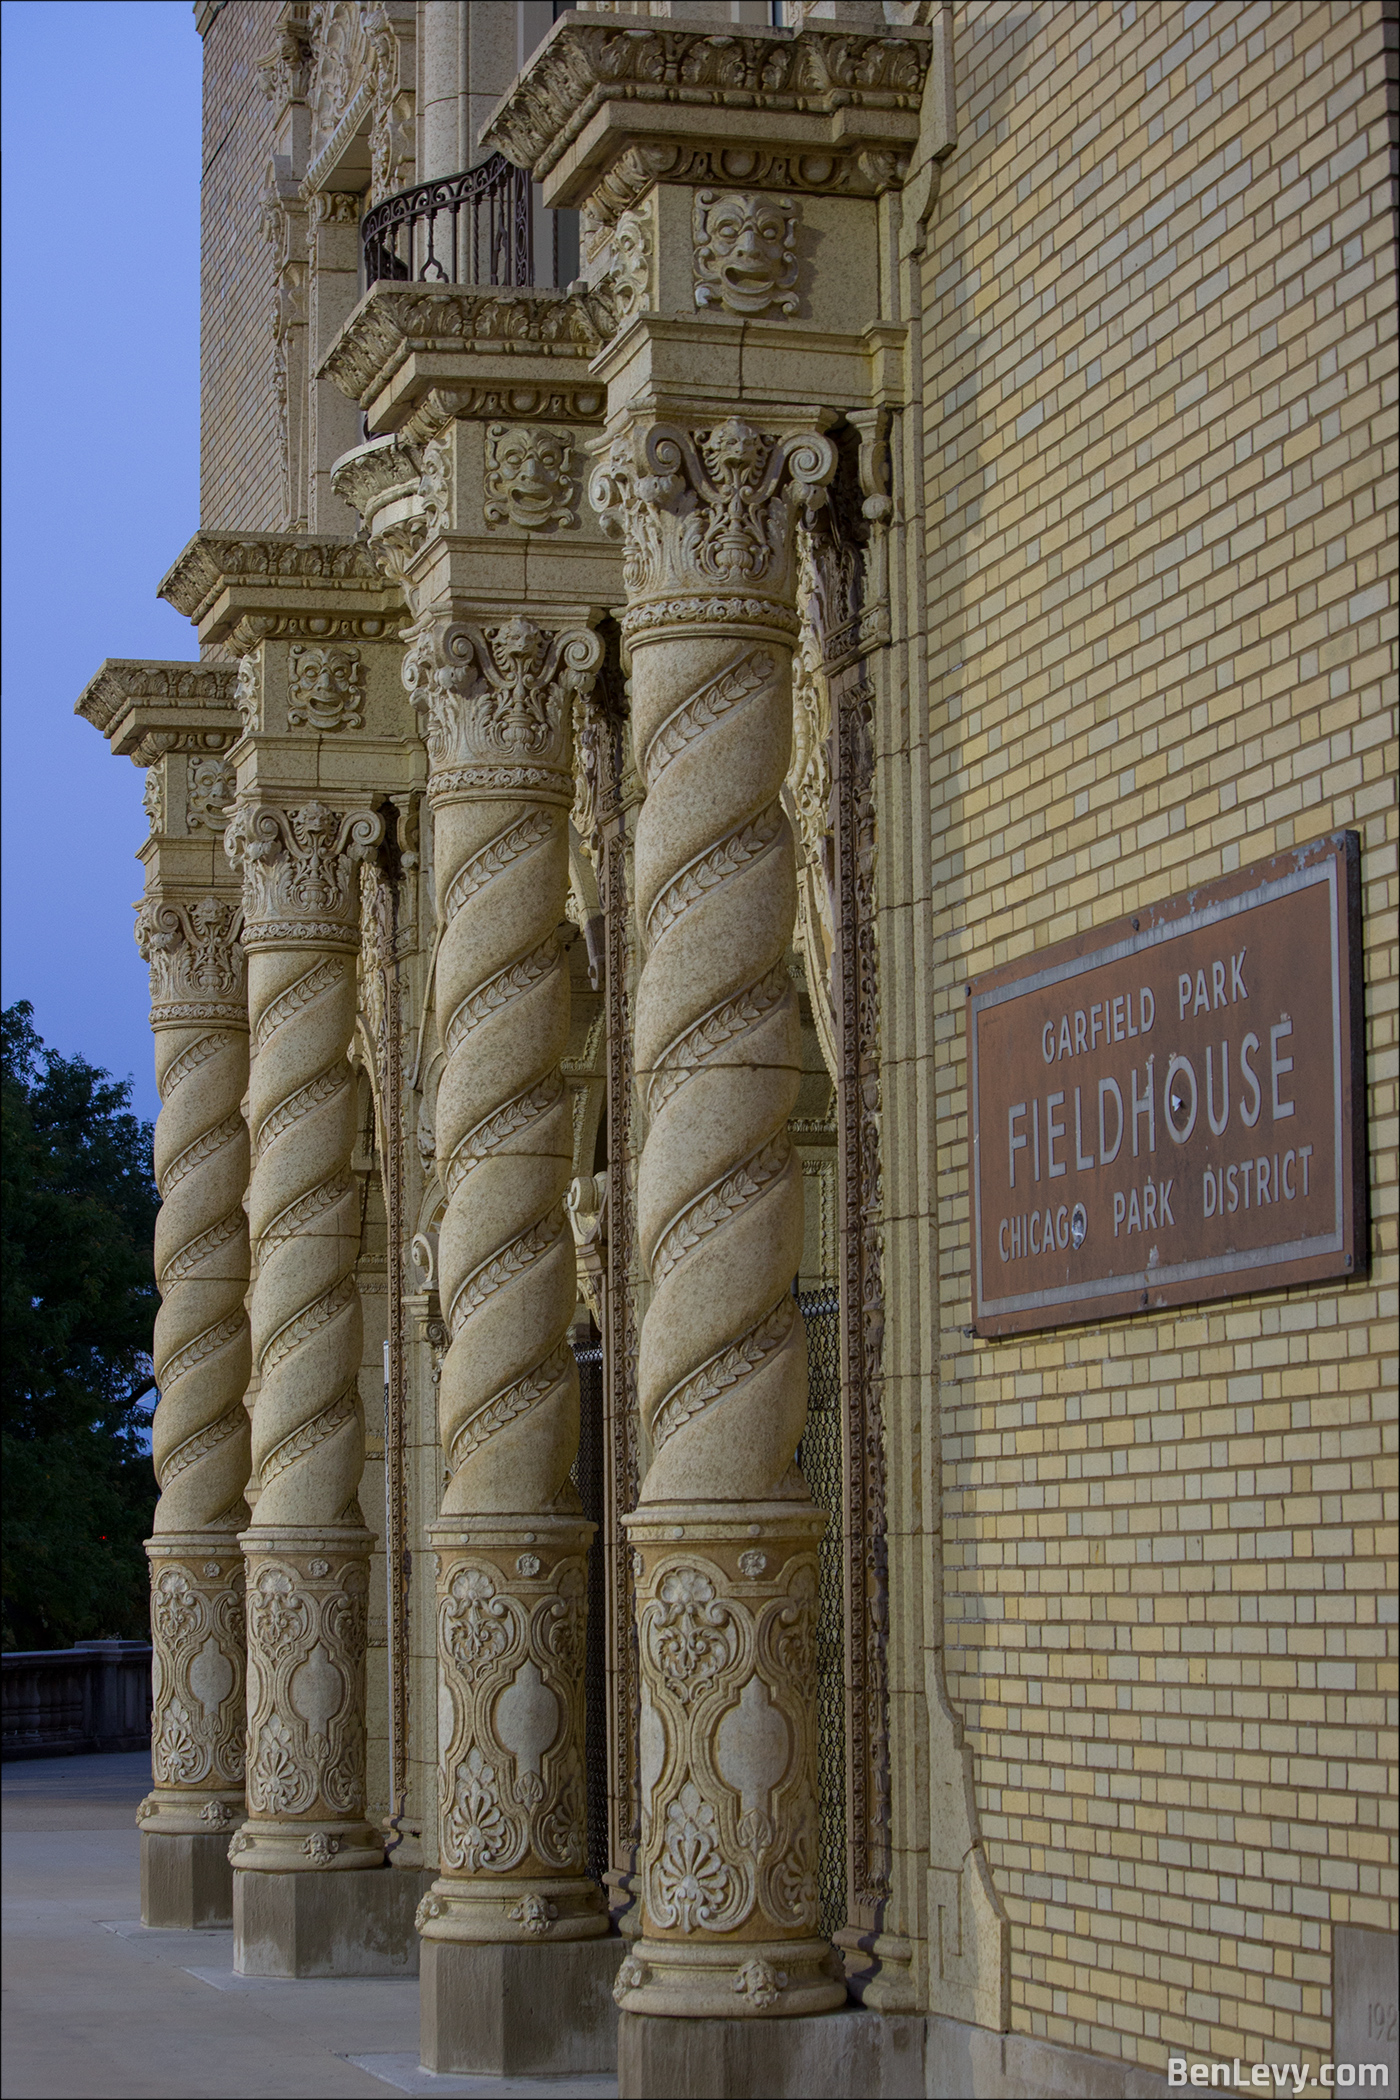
[528,477]
[745,251]
[325,689]
[632,264]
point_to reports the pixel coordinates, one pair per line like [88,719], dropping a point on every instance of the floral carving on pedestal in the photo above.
[725,1746]
[196,1674]
[306,1647]
[325,688]
[512,1719]
[530,477]
[745,251]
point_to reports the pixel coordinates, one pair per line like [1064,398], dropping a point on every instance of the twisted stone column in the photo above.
[201,1359]
[725,1534]
[307,1549]
[512,1542]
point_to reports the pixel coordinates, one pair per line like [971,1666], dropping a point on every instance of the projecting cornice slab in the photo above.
[147,708]
[501,353]
[608,106]
[249,586]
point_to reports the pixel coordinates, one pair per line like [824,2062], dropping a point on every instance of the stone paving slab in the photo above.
[407,2075]
[97,2007]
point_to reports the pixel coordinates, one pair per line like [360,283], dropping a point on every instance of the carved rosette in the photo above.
[201,1358]
[306,1606]
[498,705]
[512,1611]
[301,930]
[709,524]
[197,1673]
[726,1631]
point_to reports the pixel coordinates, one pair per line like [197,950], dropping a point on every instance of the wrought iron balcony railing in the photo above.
[486,226]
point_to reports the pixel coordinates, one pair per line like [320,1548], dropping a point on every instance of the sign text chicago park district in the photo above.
[1170,1110]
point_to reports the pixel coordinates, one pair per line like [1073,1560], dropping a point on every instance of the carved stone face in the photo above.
[745,253]
[528,480]
[325,689]
[632,262]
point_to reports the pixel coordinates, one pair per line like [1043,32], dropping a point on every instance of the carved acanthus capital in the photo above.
[196,959]
[706,513]
[285,72]
[497,705]
[299,879]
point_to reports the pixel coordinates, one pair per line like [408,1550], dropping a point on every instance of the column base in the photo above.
[731,1979]
[828,2058]
[323,1847]
[513,2011]
[525,1911]
[186,1882]
[353,1923]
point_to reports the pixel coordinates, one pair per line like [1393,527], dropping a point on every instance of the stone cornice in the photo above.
[823,96]
[408,338]
[147,708]
[224,581]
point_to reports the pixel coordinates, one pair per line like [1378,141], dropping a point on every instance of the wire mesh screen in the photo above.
[588,1479]
[819,1455]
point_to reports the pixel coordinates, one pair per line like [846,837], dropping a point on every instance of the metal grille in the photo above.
[819,1456]
[473,228]
[588,1479]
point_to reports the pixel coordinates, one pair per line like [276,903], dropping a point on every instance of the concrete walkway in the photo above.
[97,2008]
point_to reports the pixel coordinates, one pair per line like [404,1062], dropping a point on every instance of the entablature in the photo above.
[147,708]
[245,587]
[606,108]
[511,354]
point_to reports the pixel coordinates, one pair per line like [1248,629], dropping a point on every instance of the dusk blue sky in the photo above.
[101,110]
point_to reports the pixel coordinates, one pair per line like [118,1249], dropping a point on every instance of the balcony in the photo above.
[485,226]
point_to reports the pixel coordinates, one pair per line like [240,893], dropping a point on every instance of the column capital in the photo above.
[497,704]
[196,959]
[300,887]
[707,516]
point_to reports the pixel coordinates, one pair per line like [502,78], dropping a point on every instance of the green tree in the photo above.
[77,1218]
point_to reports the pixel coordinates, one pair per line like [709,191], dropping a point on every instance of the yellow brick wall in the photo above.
[1160,346]
[240,471]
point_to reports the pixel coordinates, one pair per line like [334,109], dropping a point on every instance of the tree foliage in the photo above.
[77,1218]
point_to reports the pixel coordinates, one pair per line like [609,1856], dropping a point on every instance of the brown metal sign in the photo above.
[1169,1110]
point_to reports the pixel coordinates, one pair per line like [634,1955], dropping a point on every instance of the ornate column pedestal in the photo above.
[311,1893]
[513,1920]
[728,1763]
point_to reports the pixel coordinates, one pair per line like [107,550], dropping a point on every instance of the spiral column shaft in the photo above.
[725,1535]
[201,1357]
[307,1547]
[511,1541]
